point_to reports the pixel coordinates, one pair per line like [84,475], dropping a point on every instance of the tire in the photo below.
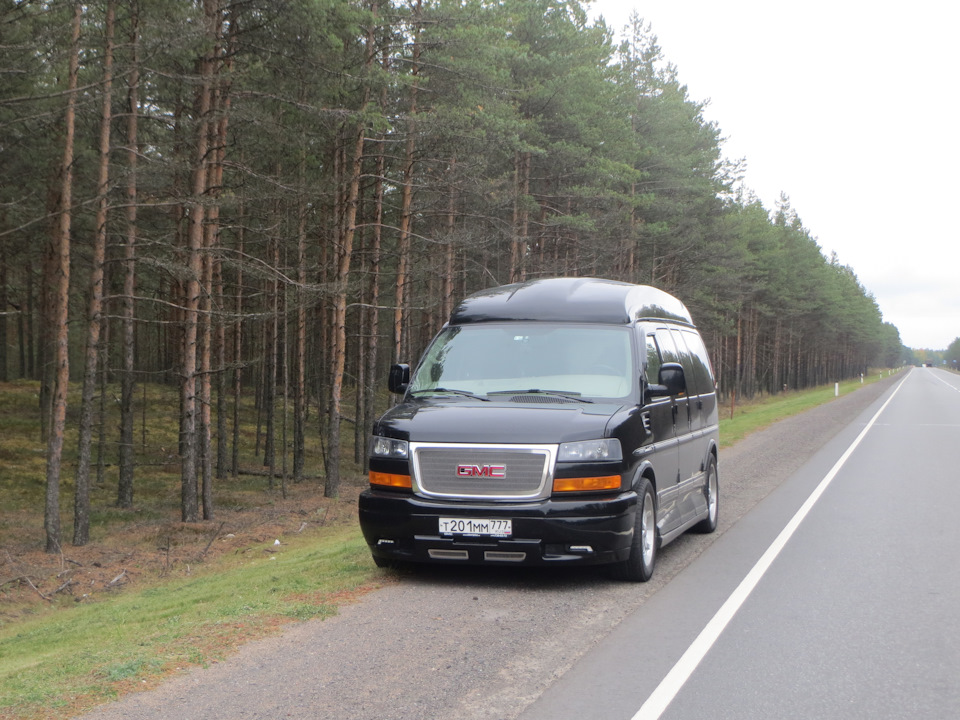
[643,548]
[388,563]
[712,490]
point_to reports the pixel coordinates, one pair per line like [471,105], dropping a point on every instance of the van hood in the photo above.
[494,422]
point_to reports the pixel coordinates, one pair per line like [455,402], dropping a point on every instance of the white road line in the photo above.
[668,688]
[952,387]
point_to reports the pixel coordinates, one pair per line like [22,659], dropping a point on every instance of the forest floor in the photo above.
[146,550]
[130,548]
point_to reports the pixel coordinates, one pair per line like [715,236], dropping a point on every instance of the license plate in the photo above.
[476,526]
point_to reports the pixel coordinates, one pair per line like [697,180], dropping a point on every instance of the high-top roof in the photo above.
[571,300]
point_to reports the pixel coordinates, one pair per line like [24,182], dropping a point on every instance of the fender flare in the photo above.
[640,472]
[713,450]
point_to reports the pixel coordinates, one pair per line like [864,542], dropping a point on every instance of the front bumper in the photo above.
[403,527]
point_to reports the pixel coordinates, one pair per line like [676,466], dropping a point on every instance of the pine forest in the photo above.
[277,199]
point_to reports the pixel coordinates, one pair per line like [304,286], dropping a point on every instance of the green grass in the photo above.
[71,650]
[759,413]
[71,658]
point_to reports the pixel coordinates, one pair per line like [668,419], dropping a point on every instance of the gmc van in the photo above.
[564,421]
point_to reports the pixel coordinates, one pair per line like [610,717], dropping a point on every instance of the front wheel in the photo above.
[388,563]
[643,548]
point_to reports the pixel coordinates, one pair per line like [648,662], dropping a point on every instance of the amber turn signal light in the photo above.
[390,480]
[586,484]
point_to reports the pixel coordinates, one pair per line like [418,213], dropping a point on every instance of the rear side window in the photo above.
[700,362]
[686,360]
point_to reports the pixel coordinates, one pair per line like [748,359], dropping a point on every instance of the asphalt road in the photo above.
[466,644]
[837,597]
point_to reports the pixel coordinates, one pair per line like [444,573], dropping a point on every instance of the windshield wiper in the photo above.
[450,391]
[537,391]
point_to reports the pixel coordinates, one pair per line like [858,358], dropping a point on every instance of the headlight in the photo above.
[389,448]
[590,451]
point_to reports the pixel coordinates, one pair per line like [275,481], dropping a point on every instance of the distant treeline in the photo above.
[289,195]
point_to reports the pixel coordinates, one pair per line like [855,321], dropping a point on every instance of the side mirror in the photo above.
[671,381]
[399,378]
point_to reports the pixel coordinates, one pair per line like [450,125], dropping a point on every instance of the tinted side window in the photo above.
[701,362]
[686,359]
[653,360]
[672,354]
[667,346]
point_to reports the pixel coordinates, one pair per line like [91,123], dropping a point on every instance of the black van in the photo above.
[551,422]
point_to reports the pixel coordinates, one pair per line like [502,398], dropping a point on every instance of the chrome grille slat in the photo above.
[526,469]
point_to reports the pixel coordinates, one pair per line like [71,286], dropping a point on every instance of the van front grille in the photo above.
[482,472]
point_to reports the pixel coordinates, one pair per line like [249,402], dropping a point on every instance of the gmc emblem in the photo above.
[493,471]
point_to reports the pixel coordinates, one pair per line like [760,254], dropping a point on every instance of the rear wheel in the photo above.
[712,491]
[643,549]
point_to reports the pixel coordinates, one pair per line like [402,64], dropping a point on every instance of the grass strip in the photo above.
[69,659]
[759,413]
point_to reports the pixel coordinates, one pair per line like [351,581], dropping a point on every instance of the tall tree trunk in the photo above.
[189,508]
[345,256]
[279,356]
[81,504]
[373,295]
[300,368]
[521,217]
[217,127]
[450,250]
[332,486]
[237,356]
[103,378]
[219,142]
[272,354]
[323,306]
[47,337]
[220,347]
[51,521]
[204,340]
[286,388]
[406,194]
[125,484]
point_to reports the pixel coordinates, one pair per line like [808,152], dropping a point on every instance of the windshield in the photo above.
[586,361]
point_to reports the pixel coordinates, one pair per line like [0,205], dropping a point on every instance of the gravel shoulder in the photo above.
[467,643]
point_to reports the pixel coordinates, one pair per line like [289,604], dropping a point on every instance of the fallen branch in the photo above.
[23,577]
[36,590]
[212,538]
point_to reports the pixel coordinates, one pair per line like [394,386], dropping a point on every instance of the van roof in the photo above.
[571,300]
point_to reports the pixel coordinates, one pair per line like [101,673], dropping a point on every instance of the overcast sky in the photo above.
[850,107]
